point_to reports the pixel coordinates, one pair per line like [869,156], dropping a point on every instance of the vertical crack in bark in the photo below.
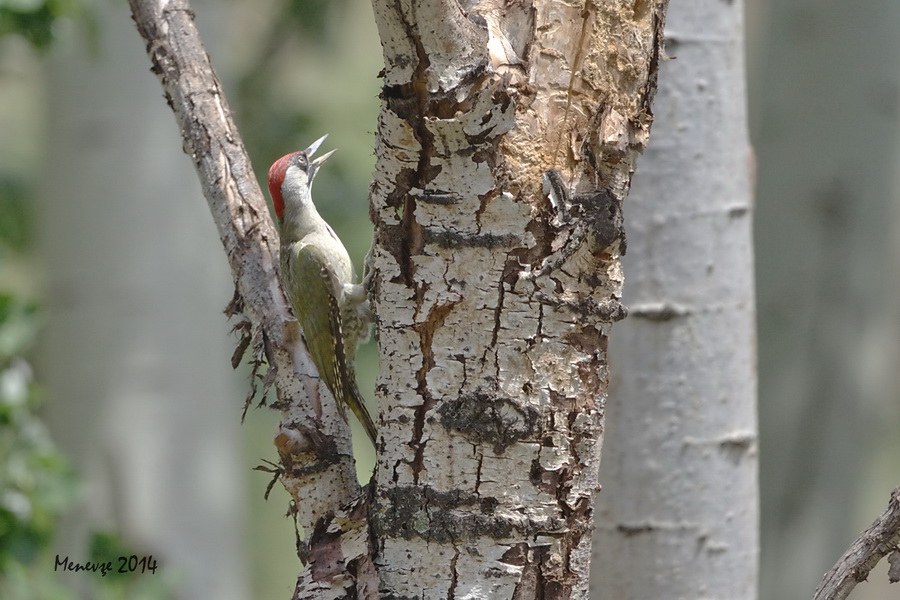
[539,334]
[411,241]
[454,574]
[543,576]
[658,43]
[498,311]
[478,469]
[426,330]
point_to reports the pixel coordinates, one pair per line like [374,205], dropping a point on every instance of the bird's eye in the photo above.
[302,160]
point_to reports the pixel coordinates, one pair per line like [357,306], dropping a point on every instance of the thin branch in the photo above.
[876,542]
[313,443]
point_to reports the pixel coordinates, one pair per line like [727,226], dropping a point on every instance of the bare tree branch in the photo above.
[876,542]
[313,442]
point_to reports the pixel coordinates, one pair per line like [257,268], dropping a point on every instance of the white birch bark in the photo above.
[493,370]
[678,514]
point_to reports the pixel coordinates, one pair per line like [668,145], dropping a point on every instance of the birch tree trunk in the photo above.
[678,515]
[494,298]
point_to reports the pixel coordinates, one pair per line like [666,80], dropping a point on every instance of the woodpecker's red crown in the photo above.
[276,178]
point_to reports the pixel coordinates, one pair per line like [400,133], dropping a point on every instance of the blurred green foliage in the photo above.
[309,17]
[15,214]
[33,19]
[36,482]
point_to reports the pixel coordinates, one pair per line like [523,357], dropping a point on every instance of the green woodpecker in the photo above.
[317,276]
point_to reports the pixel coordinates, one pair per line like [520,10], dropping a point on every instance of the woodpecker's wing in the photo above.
[315,311]
[320,318]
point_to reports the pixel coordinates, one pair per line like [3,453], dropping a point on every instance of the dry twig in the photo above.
[879,540]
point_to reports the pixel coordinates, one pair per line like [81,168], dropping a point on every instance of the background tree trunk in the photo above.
[678,514]
[493,368]
[135,355]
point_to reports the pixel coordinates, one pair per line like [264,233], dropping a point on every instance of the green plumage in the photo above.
[317,276]
[306,269]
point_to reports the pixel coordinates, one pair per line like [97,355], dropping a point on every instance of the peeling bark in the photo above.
[506,143]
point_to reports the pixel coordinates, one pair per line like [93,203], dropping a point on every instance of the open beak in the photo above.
[315,164]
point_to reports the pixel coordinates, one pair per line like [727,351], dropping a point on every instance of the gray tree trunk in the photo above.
[678,514]
[135,355]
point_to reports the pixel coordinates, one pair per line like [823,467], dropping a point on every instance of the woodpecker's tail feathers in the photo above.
[345,390]
[358,406]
